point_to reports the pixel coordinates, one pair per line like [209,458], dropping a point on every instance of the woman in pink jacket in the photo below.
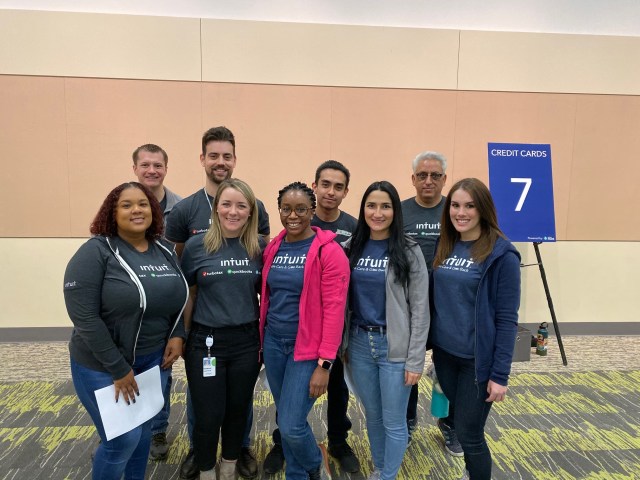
[305,280]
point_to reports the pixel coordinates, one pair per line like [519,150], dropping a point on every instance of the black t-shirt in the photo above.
[164,290]
[423,225]
[343,226]
[228,282]
[192,216]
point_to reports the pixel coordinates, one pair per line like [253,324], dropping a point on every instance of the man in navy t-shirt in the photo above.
[331,186]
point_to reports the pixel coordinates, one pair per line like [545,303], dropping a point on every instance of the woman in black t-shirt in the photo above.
[222,268]
[124,293]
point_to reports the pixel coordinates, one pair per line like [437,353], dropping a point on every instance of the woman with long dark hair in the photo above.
[388,319]
[475,301]
[222,268]
[304,289]
[125,294]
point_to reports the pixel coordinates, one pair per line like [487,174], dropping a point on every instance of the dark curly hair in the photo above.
[105,224]
[302,187]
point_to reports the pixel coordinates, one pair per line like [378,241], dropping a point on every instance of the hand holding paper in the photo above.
[118,417]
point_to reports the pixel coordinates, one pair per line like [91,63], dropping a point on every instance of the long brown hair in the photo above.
[490,231]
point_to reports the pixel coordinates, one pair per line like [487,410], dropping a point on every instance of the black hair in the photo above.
[302,187]
[335,165]
[397,242]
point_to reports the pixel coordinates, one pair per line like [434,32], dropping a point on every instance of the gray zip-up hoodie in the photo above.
[407,312]
[104,337]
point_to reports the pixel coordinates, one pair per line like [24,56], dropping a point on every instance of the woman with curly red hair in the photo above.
[125,294]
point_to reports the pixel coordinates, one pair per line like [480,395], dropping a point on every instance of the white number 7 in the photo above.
[525,190]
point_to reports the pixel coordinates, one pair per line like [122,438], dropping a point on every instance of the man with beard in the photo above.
[192,216]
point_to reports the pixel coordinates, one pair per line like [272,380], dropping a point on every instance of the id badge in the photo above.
[209,367]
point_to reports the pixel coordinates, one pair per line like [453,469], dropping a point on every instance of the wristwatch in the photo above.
[325,364]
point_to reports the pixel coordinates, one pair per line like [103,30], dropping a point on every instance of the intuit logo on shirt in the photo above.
[154,268]
[344,233]
[428,228]
[460,264]
[369,264]
[287,261]
[232,262]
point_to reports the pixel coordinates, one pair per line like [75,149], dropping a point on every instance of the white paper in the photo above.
[119,418]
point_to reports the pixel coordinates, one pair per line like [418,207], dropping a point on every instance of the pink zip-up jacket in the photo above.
[323,298]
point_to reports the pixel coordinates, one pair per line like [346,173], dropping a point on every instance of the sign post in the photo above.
[521,184]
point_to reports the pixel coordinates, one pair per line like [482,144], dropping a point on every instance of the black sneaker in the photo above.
[274,461]
[345,456]
[159,446]
[247,466]
[189,470]
[451,442]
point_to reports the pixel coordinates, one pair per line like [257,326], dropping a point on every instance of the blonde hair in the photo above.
[214,239]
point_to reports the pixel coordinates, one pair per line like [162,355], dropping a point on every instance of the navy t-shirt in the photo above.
[368,291]
[455,285]
[228,282]
[285,279]
[192,216]
[164,289]
[343,226]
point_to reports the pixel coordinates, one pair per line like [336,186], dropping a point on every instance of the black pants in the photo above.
[220,403]
[338,424]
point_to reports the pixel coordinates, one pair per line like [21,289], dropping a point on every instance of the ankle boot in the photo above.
[208,475]
[227,469]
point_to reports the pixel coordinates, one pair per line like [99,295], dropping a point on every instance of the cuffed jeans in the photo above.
[221,402]
[126,454]
[289,382]
[380,387]
[457,379]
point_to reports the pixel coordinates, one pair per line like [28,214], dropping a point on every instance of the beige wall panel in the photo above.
[605,169]
[313,54]
[282,133]
[543,62]
[34,192]
[378,133]
[98,45]
[108,119]
[598,290]
[589,282]
[484,117]
[33,297]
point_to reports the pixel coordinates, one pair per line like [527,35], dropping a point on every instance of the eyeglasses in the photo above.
[300,211]
[422,176]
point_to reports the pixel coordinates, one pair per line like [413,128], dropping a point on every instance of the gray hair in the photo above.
[430,156]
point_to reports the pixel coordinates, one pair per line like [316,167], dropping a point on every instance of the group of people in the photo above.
[329,297]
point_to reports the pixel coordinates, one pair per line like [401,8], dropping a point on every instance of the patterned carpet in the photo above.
[576,422]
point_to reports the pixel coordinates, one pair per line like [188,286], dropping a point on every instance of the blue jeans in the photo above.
[160,422]
[457,378]
[126,454]
[380,386]
[289,382]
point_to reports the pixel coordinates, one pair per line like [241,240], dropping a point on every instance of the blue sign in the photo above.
[521,184]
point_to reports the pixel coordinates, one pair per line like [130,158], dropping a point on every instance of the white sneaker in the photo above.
[375,475]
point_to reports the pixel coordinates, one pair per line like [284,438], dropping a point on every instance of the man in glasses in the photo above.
[422,215]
